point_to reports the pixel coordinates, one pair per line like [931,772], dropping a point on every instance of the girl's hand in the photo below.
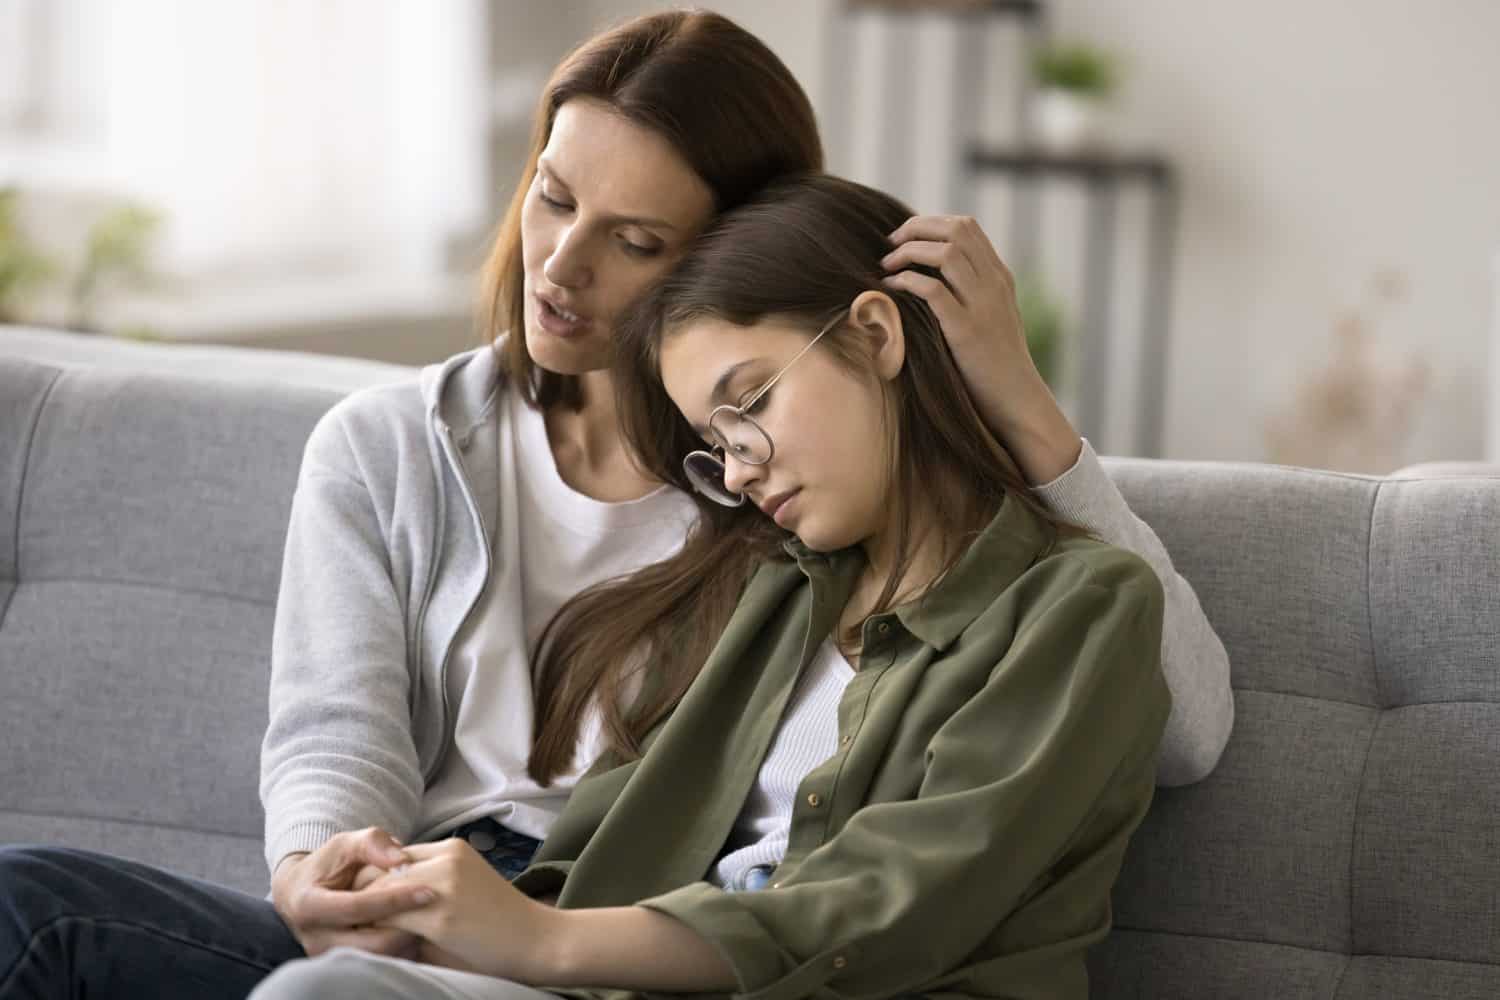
[976,305]
[476,920]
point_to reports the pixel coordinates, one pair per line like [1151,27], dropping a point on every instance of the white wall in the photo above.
[1318,141]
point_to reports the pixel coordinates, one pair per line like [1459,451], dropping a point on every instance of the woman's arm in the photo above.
[976,303]
[338,753]
[1192,656]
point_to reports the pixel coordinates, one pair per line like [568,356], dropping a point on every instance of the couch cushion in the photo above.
[1346,846]
[141,524]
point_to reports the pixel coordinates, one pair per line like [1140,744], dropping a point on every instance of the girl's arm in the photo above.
[999,873]
[475,920]
[976,304]
[1006,858]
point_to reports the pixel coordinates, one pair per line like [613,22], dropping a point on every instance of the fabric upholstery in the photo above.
[141,527]
[1346,846]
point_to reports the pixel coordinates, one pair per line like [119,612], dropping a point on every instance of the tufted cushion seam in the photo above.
[36,422]
[127,821]
[116,582]
[1299,947]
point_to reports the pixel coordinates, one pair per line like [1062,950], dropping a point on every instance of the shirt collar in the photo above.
[1014,539]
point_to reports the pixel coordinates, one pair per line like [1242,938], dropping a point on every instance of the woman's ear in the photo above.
[875,315]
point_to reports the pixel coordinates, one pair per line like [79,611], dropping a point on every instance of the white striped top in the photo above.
[806,737]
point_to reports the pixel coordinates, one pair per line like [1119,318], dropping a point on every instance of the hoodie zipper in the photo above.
[450,453]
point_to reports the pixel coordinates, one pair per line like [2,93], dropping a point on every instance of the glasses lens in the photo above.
[741,436]
[706,473]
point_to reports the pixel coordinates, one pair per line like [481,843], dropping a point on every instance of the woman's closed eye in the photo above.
[556,204]
[635,249]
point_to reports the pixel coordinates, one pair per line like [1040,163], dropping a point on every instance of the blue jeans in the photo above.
[79,924]
[507,851]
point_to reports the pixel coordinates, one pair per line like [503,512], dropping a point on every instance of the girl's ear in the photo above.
[875,315]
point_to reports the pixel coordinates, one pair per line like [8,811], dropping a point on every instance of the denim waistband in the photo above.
[507,851]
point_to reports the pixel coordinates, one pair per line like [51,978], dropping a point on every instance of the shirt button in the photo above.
[846,740]
[482,840]
[775,885]
[883,627]
[839,961]
[814,799]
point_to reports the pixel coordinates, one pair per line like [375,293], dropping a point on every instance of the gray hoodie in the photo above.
[386,556]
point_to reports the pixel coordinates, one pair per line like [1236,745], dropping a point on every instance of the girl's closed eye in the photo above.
[758,403]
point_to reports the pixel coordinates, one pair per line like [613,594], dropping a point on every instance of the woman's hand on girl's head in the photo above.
[976,304]
[476,920]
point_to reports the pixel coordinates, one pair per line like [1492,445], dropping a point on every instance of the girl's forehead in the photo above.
[718,341]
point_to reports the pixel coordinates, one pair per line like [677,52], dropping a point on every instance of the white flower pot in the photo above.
[1064,122]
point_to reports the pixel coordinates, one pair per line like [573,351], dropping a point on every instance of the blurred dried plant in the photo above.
[1356,414]
[116,255]
[24,270]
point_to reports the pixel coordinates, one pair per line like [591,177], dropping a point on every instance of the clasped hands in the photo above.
[437,903]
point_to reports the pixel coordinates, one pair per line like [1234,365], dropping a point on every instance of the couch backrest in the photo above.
[1348,844]
[142,519]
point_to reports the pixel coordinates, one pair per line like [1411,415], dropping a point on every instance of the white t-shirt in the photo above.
[550,543]
[807,735]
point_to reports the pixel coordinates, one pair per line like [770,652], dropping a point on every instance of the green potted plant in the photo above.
[1074,84]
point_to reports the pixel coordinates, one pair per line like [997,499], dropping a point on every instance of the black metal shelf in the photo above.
[1094,168]
[981,8]
[1101,174]
[1026,168]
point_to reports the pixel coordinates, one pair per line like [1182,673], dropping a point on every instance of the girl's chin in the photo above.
[821,541]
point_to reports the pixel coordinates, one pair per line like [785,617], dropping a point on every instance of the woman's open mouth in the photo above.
[558,321]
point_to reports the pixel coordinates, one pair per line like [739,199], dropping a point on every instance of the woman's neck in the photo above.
[590,451]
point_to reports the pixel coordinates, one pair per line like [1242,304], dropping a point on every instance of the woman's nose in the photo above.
[568,265]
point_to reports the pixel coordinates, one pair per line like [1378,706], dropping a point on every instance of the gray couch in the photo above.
[1347,846]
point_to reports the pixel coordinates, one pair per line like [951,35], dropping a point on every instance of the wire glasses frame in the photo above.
[735,432]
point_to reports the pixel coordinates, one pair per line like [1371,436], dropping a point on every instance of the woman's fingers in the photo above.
[321,907]
[947,258]
[945,306]
[963,231]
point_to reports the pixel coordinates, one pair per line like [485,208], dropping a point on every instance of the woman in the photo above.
[437,526]
[916,753]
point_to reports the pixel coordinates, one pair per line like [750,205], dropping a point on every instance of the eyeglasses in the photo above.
[736,433]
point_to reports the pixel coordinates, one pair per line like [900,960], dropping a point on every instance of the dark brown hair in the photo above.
[724,101]
[802,252]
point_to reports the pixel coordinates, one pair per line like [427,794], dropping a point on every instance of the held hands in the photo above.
[458,928]
[976,304]
[319,898]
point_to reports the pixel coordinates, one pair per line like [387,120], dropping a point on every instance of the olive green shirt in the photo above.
[997,747]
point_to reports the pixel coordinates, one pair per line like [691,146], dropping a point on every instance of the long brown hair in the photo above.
[724,101]
[802,252]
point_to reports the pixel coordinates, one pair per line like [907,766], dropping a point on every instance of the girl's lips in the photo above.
[554,322]
[781,510]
